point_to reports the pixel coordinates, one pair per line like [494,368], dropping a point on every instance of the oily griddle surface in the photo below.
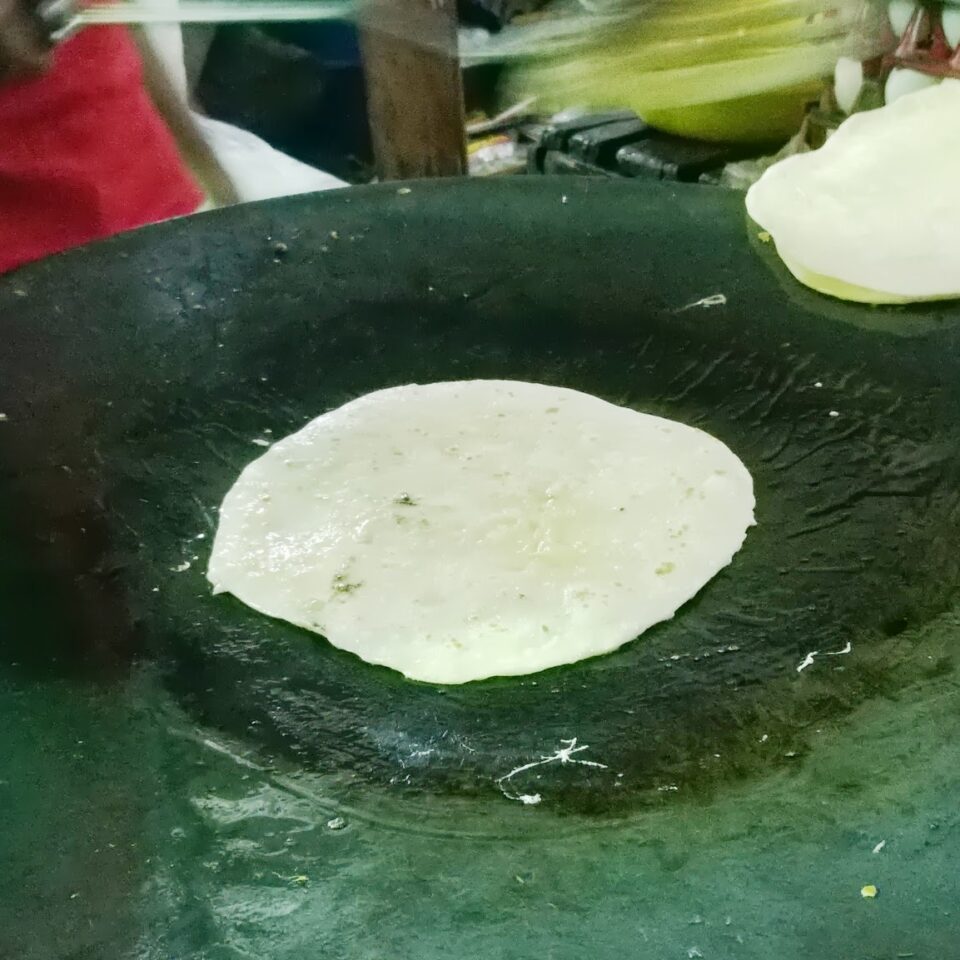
[136,373]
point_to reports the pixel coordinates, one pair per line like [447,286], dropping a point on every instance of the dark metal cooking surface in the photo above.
[135,375]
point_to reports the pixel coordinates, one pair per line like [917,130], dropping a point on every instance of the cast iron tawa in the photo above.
[136,373]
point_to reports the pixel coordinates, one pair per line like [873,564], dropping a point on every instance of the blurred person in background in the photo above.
[84,151]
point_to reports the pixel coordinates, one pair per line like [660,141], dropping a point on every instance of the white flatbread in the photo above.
[874,214]
[456,531]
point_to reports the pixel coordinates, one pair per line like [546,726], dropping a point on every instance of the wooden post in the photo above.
[414,88]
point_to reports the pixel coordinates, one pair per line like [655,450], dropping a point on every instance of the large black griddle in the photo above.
[135,374]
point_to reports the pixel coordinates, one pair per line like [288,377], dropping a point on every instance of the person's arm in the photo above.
[24,44]
[180,121]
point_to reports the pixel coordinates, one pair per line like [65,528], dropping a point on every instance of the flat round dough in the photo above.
[456,531]
[874,214]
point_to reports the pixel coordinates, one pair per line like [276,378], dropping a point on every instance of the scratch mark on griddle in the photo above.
[205,513]
[689,368]
[817,447]
[864,493]
[697,381]
[806,531]
[784,443]
[789,381]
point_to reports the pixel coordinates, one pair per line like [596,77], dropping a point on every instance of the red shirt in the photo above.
[84,152]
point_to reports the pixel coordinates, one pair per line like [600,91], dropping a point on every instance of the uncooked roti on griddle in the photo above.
[874,214]
[456,531]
